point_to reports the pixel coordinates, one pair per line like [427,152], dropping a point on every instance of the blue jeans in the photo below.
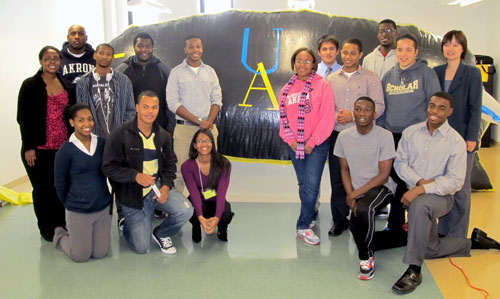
[309,171]
[138,223]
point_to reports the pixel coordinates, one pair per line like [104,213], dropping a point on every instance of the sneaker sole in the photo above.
[307,242]
[172,250]
[363,277]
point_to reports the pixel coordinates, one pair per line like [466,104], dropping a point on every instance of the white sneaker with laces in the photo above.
[367,269]
[308,236]
[165,244]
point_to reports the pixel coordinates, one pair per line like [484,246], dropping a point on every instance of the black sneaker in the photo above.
[159,214]
[165,244]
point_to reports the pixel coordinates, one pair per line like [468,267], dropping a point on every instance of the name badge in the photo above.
[209,194]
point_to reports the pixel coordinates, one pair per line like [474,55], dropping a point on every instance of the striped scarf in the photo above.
[299,154]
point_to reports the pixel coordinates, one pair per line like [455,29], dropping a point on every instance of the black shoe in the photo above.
[47,236]
[480,240]
[159,214]
[408,282]
[337,229]
[222,235]
[196,236]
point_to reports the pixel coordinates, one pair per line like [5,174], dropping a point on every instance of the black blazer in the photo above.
[467,91]
[32,109]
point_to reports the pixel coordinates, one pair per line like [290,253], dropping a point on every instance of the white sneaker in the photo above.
[165,244]
[367,269]
[308,236]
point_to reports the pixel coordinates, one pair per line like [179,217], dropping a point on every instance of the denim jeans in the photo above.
[309,171]
[137,228]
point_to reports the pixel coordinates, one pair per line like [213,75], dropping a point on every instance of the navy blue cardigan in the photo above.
[467,92]
[78,178]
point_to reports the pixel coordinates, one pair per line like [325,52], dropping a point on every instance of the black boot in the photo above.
[480,240]
[196,236]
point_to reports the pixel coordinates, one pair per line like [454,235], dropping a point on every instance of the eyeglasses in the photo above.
[47,59]
[303,61]
[206,141]
[386,30]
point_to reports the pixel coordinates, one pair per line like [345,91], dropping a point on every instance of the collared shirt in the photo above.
[378,63]
[347,89]
[323,69]
[440,156]
[93,143]
[197,92]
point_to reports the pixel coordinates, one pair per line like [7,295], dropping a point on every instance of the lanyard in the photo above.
[199,172]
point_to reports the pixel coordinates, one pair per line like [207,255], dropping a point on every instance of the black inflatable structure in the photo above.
[251,53]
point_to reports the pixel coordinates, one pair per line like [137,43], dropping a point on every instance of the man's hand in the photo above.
[205,124]
[30,157]
[144,180]
[471,145]
[164,195]
[410,195]
[422,182]
[344,116]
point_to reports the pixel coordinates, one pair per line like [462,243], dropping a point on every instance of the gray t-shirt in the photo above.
[364,152]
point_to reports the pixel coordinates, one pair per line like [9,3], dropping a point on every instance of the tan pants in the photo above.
[183,135]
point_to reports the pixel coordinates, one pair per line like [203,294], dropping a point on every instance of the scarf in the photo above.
[299,154]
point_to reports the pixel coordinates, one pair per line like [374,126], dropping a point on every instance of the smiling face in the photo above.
[438,111]
[143,49]
[83,122]
[452,50]
[147,110]
[193,50]
[406,53]
[51,61]
[203,144]
[304,64]
[328,53]
[387,39]
[350,57]
[364,114]
[77,39]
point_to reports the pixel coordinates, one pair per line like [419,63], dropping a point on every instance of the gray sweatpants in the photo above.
[423,240]
[88,235]
[456,223]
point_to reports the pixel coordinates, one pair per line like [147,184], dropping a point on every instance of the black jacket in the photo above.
[32,109]
[123,160]
[152,77]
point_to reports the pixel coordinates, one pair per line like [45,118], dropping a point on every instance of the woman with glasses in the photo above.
[464,83]
[206,174]
[307,117]
[42,99]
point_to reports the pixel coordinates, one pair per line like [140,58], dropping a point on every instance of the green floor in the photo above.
[261,260]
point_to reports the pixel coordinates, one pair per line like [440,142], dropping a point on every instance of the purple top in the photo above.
[191,175]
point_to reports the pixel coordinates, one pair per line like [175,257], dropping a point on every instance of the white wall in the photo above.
[29,25]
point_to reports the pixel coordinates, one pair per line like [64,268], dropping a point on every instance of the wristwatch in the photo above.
[199,121]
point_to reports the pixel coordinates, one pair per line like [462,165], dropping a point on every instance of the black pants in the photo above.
[362,225]
[338,206]
[208,208]
[395,236]
[48,208]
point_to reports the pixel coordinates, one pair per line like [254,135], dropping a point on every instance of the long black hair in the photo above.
[218,163]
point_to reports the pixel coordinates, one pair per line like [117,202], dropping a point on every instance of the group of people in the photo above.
[394,132]
[90,133]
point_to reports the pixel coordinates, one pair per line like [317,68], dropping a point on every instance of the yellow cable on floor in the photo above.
[13,197]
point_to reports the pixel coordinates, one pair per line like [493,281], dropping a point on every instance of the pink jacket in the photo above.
[319,114]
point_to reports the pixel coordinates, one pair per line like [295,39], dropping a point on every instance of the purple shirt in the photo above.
[191,175]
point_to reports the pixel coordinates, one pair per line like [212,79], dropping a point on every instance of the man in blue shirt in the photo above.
[328,49]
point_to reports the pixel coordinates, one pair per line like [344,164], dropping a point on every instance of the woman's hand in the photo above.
[213,224]
[294,146]
[471,145]
[308,149]
[30,157]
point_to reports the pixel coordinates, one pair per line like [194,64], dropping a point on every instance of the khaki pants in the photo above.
[183,134]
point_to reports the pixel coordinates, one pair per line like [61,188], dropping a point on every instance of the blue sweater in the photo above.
[78,178]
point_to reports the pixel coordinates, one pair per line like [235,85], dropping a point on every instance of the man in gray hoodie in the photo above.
[408,86]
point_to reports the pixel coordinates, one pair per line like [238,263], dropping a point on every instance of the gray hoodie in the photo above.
[407,93]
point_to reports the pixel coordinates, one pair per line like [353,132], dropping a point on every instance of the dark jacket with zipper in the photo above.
[123,160]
